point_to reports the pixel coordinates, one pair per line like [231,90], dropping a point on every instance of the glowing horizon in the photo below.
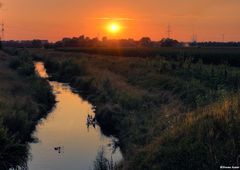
[56,19]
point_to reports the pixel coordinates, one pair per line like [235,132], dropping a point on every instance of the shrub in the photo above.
[13,155]
[14,63]
[129,101]
[26,69]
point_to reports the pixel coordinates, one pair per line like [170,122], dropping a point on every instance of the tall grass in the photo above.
[102,163]
[206,139]
[13,154]
[24,99]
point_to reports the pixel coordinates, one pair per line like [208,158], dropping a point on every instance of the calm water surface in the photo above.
[66,127]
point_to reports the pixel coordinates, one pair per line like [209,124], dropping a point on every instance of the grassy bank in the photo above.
[167,114]
[24,99]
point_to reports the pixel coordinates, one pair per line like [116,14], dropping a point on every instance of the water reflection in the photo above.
[65,139]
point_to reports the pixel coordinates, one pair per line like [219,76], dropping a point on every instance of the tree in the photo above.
[145,42]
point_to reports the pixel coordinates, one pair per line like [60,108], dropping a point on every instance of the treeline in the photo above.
[83,41]
[25,99]
[215,44]
[25,43]
[86,42]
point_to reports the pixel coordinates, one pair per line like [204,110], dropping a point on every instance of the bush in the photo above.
[13,155]
[14,63]
[17,124]
[23,64]
[26,69]
[130,101]
[42,93]
[69,68]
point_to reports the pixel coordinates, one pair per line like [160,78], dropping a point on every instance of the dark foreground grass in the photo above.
[24,99]
[167,114]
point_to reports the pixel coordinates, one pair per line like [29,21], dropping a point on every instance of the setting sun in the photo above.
[114,28]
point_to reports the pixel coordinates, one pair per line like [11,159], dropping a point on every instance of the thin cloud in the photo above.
[116,19]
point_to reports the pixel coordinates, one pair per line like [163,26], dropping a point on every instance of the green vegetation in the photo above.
[168,114]
[209,55]
[24,99]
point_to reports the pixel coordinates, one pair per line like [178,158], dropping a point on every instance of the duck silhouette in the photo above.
[58,148]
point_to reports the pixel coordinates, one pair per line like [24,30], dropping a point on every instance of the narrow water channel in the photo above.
[65,127]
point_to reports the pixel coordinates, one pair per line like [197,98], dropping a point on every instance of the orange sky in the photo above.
[54,19]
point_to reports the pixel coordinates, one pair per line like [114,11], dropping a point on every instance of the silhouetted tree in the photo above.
[145,42]
[167,42]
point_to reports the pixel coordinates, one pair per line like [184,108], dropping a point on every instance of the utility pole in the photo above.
[169,31]
[2,36]
[223,37]
[2,31]
[194,38]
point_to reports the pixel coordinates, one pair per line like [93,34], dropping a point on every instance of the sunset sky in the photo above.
[54,19]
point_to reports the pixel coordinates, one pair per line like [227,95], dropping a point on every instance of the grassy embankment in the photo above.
[24,100]
[167,114]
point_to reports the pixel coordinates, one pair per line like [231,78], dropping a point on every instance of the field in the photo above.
[168,113]
[208,55]
[24,100]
